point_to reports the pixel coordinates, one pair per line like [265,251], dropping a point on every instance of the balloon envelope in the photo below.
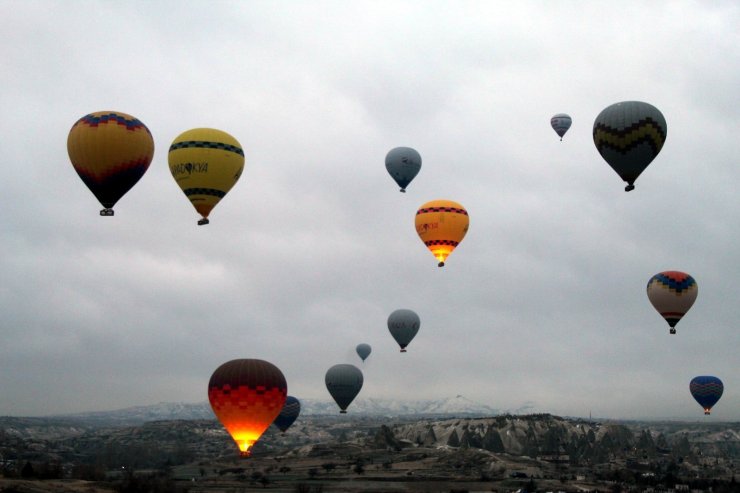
[363,350]
[403,164]
[206,163]
[110,151]
[441,225]
[247,395]
[288,414]
[403,325]
[629,135]
[706,390]
[672,293]
[561,123]
[343,383]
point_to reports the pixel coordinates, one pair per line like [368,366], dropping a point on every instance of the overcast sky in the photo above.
[543,304]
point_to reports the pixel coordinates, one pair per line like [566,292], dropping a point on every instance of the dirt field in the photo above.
[48,486]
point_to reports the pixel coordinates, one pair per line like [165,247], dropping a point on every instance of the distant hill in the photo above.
[131,416]
[458,406]
[540,437]
[452,406]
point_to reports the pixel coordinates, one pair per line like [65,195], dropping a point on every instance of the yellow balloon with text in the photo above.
[441,225]
[206,163]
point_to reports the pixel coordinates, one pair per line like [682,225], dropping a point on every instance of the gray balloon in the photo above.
[403,164]
[403,324]
[629,135]
[343,383]
[561,123]
[364,350]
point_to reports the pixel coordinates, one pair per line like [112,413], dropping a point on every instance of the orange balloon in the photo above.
[441,225]
[247,395]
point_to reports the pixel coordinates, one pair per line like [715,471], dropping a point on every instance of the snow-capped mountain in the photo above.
[142,414]
[458,405]
[451,406]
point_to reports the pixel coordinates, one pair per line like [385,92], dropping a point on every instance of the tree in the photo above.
[453,440]
[27,471]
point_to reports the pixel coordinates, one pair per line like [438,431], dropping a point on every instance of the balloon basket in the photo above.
[403,190]
[673,331]
[629,188]
[707,413]
[245,454]
[106,212]
[202,222]
[342,411]
[441,264]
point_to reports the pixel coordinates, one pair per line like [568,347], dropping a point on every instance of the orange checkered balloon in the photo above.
[247,395]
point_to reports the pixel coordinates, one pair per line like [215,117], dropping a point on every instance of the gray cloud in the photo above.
[543,303]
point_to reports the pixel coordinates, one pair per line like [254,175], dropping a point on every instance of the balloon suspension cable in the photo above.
[204,221]
[629,188]
[106,212]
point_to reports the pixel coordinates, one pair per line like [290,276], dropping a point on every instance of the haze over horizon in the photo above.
[544,301]
[458,406]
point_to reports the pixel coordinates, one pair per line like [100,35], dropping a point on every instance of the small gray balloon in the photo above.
[403,324]
[364,350]
[403,164]
[343,383]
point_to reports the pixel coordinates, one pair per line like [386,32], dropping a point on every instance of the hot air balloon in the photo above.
[672,293]
[403,164]
[403,324]
[206,163]
[561,123]
[363,350]
[706,390]
[289,413]
[343,383]
[247,395]
[629,135]
[441,225]
[110,151]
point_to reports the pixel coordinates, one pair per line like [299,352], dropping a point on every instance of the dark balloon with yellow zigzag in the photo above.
[629,135]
